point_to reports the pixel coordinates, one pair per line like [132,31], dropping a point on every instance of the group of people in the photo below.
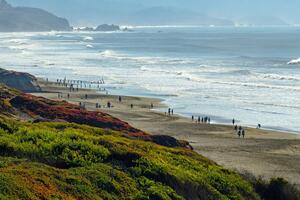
[240,131]
[203,120]
[170,111]
[78,83]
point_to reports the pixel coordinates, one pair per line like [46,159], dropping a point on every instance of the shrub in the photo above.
[276,189]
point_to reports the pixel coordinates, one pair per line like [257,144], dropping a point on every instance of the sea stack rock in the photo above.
[107,28]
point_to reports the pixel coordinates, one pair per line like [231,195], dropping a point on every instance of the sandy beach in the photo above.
[263,153]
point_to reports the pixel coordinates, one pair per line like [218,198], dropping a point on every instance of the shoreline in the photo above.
[263,152]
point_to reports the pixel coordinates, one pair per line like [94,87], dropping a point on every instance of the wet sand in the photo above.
[263,153]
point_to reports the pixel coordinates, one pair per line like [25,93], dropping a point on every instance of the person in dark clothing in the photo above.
[259,126]
[131,105]
[120,99]
[235,127]
[240,128]
[233,121]
[239,133]
[193,118]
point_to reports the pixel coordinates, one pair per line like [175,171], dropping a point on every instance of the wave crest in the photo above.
[294,62]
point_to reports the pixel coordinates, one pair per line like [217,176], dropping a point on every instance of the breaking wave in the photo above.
[294,62]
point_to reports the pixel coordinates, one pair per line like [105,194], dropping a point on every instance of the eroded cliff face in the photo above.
[21,81]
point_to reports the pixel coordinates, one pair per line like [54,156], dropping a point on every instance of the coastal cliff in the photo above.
[25,19]
[21,81]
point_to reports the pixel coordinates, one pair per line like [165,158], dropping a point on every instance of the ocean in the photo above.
[247,73]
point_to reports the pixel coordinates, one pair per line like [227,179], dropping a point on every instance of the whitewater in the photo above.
[250,74]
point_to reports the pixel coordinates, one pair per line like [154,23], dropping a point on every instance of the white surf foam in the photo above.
[89,46]
[294,62]
[88,38]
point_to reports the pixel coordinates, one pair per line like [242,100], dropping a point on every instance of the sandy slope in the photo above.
[263,153]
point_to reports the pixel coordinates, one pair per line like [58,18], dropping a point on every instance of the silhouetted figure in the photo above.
[258,126]
[151,106]
[209,120]
[193,118]
[198,119]
[131,105]
[240,128]
[202,120]
[108,104]
[172,112]
[243,133]
[233,121]
[169,111]
[239,133]
[68,96]
[120,99]
[86,96]
[235,127]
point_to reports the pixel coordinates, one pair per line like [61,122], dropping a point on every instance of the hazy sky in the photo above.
[111,11]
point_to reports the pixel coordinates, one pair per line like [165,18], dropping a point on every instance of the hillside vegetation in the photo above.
[60,157]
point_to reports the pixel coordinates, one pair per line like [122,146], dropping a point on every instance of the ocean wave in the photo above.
[89,46]
[151,69]
[279,77]
[88,38]
[278,105]
[144,60]
[194,78]
[294,62]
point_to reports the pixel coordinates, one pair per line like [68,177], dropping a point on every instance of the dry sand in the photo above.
[262,153]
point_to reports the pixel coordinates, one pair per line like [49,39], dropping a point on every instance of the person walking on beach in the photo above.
[86,96]
[172,112]
[239,133]
[120,99]
[131,106]
[233,121]
[198,120]
[109,104]
[240,128]
[68,96]
[209,120]
[192,117]
[235,127]
[258,126]
[169,111]
[151,106]
[243,133]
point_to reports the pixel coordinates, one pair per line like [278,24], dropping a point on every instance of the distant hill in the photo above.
[25,19]
[263,21]
[174,16]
